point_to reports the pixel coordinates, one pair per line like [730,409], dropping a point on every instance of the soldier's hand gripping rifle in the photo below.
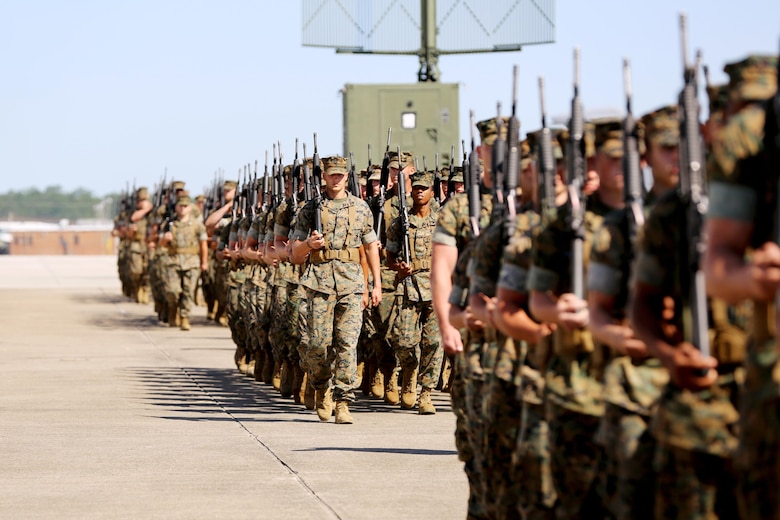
[379,215]
[512,162]
[316,185]
[692,190]
[472,174]
[403,215]
[631,167]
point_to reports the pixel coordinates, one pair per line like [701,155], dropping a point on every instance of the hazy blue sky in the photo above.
[96,93]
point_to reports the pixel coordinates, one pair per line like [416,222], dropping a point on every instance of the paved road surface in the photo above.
[106,414]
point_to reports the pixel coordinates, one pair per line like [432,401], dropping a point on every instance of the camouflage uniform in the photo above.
[184,262]
[335,284]
[743,168]
[518,393]
[454,229]
[414,332]
[573,380]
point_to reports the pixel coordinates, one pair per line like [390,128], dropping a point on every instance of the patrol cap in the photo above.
[532,141]
[142,193]
[376,172]
[177,185]
[407,158]
[183,199]
[229,185]
[488,130]
[752,79]
[422,179]
[662,126]
[333,165]
[457,174]
[362,177]
[609,136]
[525,154]
[200,198]
[287,171]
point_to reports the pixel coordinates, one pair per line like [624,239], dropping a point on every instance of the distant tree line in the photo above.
[51,204]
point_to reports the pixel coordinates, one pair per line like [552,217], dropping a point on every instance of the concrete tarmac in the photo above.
[104,413]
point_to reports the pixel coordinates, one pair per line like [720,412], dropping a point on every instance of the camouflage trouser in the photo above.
[376,336]
[414,334]
[463,440]
[694,485]
[292,336]
[576,463]
[533,463]
[248,304]
[180,288]
[258,328]
[629,449]
[233,311]
[138,266]
[279,318]
[334,328]
[758,457]
[303,327]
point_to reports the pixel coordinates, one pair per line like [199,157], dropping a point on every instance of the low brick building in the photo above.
[43,238]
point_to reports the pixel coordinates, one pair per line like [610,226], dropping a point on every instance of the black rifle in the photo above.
[498,166]
[631,167]
[575,169]
[512,162]
[450,182]
[546,164]
[403,215]
[692,191]
[279,179]
[354,184]
[308,193]
[436,179]
[255,188]
[473,184]
[379,215]
[316,185]
[266,183]
[296,171]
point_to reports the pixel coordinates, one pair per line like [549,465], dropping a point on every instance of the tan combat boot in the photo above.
[408,388]
[185,323]
[426,406]
[378,384]
[342,413]
[391,387]
[324,404]
[277,377]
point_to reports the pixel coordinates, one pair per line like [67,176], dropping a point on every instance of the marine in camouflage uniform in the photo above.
[573,387]
[336,286]
[216,222]
[186,242]
[139,259]
[414,330]
[633,379]
[449,285]
[742,216]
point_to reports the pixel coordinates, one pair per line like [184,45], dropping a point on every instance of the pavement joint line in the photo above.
[259,441]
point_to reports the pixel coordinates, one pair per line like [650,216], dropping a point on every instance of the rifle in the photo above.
[575,168]
[354,185]
[316,185]
[295,180]
[692,191]
[475,204]
[775,155]
[255,187]
[546,163]
[279,179]
[499,170]
[450,182]
[266,183]
[379,216]
[512,161]
[436,178]
[403,215]
[631,168]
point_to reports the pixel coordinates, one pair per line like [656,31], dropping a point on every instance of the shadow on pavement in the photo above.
[400,451]
[93,298]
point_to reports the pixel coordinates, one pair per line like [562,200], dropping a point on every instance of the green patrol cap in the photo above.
[457,174]
[334,164]
[142,193]
[557,136]
[177,185]
[488,130]
[287,171]
[376,172]
[662,126]
[609,136]
[183,199]
[752,79]
[407,158]
[229,185]
[422,179]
